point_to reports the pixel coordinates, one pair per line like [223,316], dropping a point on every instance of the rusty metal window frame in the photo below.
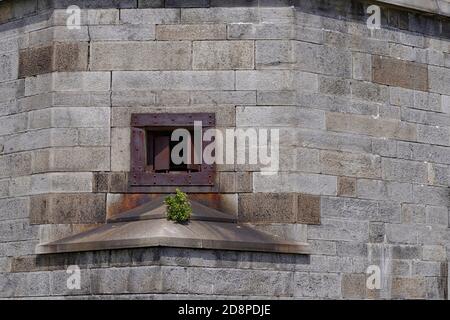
[142,175]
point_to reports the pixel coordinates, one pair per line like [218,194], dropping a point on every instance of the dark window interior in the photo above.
[159,150]
[151,148]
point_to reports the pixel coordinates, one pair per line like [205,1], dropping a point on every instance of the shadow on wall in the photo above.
[164,256]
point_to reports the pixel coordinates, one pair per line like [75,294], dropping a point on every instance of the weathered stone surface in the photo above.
[150,16]
[404,171]
[260,31]
[339,230]
[35,61]
[433,135]
[382,190]
[267,207]
[412,213]
[82,81]
[223,55]
[308,209]
[413,288]
[369,126]
[362,66]
[221,97]
[125,32]
[322,285]
[9,66]
[265,80]
[240,282]
[438,77]
[277,116]
[274,54]
[120,149]
[12,90]
[350,164]
[437,215]
[434,253]
[415,99]
[315,184]
[191,32]
[16,208]
[353,286]
[358,209]
[72,159]
[173,80]
[13,124]
[70,56]
[323,59]
[219,15]
[137,55]
[400,73]
[67,208]
[17,164]
[346,187]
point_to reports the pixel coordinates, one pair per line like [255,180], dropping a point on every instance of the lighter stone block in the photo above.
[382,190]
[223,97]
[264,80]
[80,117]
[295,182]
[9,66]
[173,80]
[73,159]
[438,79]
[404,171]
[350,164]
[223,55]
[191,32]
[160,55]
[17,164]
[122,32]
[362,66]
[13,124]
[220,15]
[81,81]
[277,116]
[261,31]
[120,149]
[370,126]
[150,16]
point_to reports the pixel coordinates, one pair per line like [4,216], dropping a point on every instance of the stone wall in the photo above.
[364,142]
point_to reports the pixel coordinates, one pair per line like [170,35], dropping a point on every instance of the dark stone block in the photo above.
[445,32]
[406,252]
[34,61]
[101,182]
[187,3]
[398,19]
[6,12]
[267,207]
[118,182]
[424,24]
[308,209]
[376,232]
[252,3]
[97,4]
[68,208]
[151,4]
[70,56]
[400,73]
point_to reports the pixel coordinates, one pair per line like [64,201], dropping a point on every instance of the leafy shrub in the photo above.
[178,207]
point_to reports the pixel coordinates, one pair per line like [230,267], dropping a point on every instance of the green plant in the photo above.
[178,207]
